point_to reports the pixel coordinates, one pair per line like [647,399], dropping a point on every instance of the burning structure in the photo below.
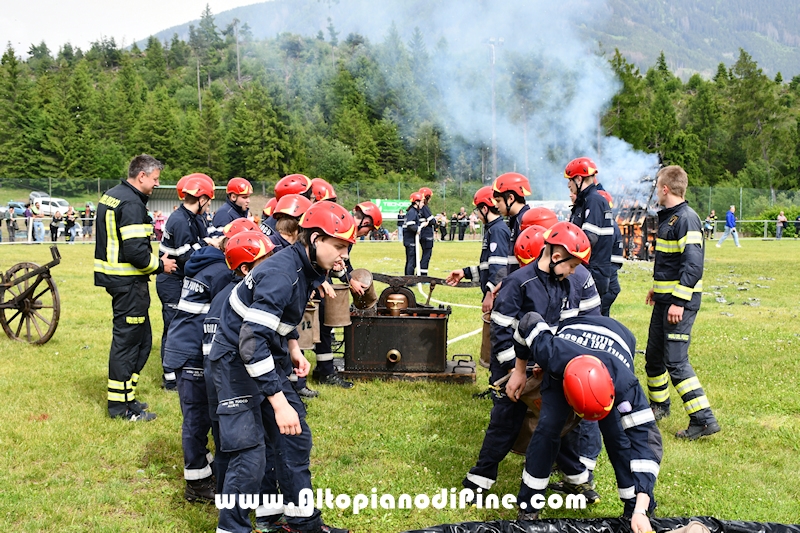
[637,219]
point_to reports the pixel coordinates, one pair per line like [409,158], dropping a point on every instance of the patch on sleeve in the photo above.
[625,407]
[493,247]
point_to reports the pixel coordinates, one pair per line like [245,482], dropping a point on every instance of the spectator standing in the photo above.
[10,223]
[463,220]
[441,221]
[158,225]
[796,227]
[710,225]
[69,226]
[401,220]
[38,223]
[88,222]
[781,225]
[730,228]
[473,219]
[54,223]
[28,214]
[453,226]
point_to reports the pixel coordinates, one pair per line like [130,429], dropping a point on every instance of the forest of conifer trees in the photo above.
[346,109]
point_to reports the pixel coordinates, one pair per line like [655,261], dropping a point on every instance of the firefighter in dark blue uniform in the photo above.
[588,368]
[184,233]
[368,217]
[236,206]
[616,261]
[291,184]
[410,232]
[494,257]
[123,263]
[251,358]
[541,286]
[592,214]
[427,229]
[206,274]
[676,293]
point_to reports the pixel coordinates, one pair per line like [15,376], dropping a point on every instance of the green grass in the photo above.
[66,467]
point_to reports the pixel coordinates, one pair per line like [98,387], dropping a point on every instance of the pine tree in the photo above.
[15,117]
[155,62]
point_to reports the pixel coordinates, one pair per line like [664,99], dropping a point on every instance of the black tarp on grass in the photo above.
[607,525]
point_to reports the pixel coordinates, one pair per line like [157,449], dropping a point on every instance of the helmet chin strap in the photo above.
[554,264]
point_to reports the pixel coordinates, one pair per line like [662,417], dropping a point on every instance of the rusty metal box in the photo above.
[404,343]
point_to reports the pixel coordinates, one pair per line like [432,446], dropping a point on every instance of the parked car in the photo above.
[49,206]
[35,195]
[18,207]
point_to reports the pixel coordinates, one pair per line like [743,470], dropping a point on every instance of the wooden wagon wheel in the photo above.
[29,308]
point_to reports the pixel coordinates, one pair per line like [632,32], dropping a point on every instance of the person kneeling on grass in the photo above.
[588,368]
[254,350]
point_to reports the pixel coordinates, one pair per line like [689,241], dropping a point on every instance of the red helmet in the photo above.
[529,244]
[426,192]
[332,219]
[246,247]
[179,187]
[582,166]
[512,182]
[239,186]
[239,225]
[198,185]
[270,206]
[322,190]
[538,216]
[372,211]
[415,197]
[588,387]
[607,196]
[483,196]
[183,180]
[292,184]
[292,205]
[572,238]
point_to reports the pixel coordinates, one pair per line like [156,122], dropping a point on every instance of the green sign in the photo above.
[391,207]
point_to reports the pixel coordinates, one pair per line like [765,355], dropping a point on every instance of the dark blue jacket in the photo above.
[184,234]
[263,311]
[494,255]
[615,346]
[514,224]
[206,275]
[678,268]
[211,320]
[425,215]
[411,226]
[279,242]
[268,226]
[530,289]
[224,216]
[592,214]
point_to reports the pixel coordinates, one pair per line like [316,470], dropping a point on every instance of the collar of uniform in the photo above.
[493,222]
[312,274]
[142,196]
[188,213]
[667,212]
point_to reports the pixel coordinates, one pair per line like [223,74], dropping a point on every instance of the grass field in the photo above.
[65,466]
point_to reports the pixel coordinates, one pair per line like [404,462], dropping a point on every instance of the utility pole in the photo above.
[492,43]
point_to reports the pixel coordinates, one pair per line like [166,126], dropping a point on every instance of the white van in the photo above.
[49,206]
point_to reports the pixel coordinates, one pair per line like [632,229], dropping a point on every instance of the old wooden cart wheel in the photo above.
[29,308]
